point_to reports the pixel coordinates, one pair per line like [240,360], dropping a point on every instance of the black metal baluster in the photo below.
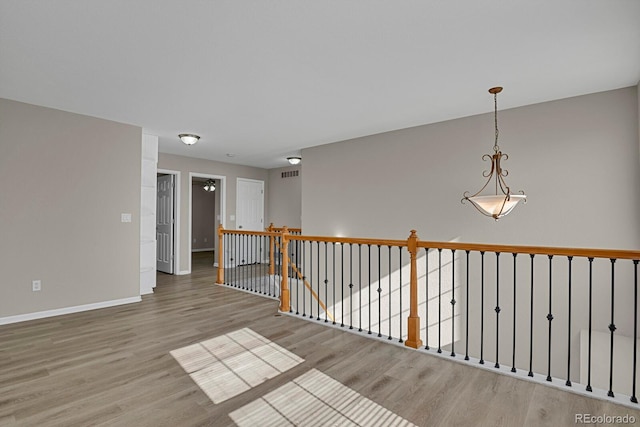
[453,301]
[513,351]
[333,282]
[326,281]
[359,287]
[245,272]
[466,350]
[612,328]
[236,254]
[400,291]
[426,308]
[389,250]
[318,282]
[634,399]
[261,268]
[590,318]
[379,293]
[532,256]
[568,383]
[342,284]
[482,307]
[369,286]
[439,299]
[304,278]
[232,254]
[252,272]
[350,285]
[254,248]
[550,319]
[497,309]
[311,280]
[294,275]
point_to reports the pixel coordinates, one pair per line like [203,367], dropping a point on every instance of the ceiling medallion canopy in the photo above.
[503,201]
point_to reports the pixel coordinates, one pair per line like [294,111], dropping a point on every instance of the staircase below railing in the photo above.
[539,310]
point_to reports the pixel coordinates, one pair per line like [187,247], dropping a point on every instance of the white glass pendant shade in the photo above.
[497,206]
[188,138]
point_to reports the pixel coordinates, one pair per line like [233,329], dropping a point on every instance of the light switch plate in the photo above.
[125,217]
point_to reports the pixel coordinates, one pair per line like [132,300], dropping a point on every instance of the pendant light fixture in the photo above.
[210,185]
[294,160]
[503,201]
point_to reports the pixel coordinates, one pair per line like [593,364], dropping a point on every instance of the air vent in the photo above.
[289,174]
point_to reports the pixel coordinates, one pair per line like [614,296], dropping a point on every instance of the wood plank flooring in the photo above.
[113,367]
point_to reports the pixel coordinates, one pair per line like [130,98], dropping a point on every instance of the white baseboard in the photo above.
[183,272]
[66,310]
[202,250]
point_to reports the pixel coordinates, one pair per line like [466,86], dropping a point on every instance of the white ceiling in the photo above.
[263,79]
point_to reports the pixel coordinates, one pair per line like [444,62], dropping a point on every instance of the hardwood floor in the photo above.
[113,367]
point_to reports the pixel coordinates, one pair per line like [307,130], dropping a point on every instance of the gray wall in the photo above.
[203,215]
[576,159]
[64,181]
[185,165]
[285,197]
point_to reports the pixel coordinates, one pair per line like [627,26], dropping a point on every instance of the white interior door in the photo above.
[165,224]
[249,215]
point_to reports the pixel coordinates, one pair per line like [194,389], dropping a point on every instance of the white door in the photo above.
[164,224]
[249,216]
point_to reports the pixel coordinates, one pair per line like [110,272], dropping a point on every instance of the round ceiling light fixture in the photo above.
[189,138]
[294,160]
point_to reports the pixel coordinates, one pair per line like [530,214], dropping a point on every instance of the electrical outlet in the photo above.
[194,240]
[36,285]
[205,240]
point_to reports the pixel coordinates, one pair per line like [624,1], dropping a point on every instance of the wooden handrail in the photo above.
[251,233]
[350,240]
[534,250]
[480,247]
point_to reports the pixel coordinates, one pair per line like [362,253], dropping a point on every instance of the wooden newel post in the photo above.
[220,280]
[413,322]
[272,267]
[284,284]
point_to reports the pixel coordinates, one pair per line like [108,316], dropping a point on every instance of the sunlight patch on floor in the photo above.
[225,366]
[315,399]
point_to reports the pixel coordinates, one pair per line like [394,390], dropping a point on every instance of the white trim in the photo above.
[183,272]
[67,310]
[223,205]
[202,250]
[176,205]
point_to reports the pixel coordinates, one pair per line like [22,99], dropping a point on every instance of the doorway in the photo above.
[206,212]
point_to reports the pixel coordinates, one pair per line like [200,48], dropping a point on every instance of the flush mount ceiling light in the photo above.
[189,138]
[210,185]
[503,201]
[294,160]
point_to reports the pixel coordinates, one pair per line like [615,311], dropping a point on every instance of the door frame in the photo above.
[176,217]
[223,206]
